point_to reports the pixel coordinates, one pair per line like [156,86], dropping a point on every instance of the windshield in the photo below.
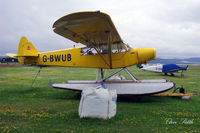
[103,49]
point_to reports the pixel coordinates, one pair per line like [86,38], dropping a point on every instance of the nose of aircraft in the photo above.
[146,54]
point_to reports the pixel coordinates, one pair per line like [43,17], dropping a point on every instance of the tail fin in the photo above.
[187,67]
[27,53]
[26,48]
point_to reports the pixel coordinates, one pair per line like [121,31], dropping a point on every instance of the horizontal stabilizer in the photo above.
[12,55]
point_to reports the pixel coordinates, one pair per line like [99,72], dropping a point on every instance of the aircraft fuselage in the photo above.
[73,58]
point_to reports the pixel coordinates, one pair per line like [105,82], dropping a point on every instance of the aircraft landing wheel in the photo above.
[172,74]
[182,74]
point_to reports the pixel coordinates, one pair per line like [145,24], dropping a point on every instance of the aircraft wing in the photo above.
[93,29]
[171,71]
[88,28]
[167,68]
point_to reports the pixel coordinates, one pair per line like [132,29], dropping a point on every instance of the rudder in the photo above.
[26,51]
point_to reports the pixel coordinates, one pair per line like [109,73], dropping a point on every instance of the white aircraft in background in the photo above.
[163,68]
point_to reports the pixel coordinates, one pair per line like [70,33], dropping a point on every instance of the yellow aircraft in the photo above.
[104,49]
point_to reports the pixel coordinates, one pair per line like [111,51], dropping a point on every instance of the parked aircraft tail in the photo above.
[27,53]
[187,67]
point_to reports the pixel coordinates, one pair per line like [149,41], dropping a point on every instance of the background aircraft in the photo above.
[163,68]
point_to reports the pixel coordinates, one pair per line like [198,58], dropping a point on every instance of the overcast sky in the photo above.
[170,26]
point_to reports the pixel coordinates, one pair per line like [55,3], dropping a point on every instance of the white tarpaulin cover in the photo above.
[98,103]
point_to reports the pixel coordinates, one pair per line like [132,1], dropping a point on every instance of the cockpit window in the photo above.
[103,49]
[117,48]
[88,51]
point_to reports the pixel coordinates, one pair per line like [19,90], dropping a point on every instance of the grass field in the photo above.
[43,109]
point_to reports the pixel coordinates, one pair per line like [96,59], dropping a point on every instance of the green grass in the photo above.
[43,109]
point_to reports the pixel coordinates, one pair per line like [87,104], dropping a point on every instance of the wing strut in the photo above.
[102,77]
[109,49]
[100,71]
[38,73]
[101,56]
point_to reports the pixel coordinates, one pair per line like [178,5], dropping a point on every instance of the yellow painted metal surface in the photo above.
[72,57]
[27,54]
[12,55]
[88,28]
[93,29]
[26,48]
